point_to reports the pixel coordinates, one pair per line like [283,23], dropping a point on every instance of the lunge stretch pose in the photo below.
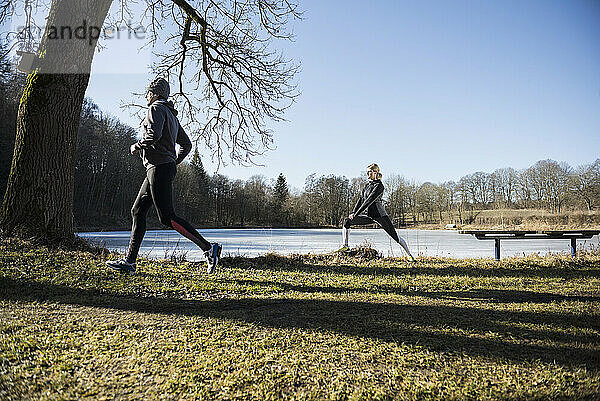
[161,131]
[370,201]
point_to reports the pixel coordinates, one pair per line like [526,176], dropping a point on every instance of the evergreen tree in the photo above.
[281,191]
[280,196]
[203,204]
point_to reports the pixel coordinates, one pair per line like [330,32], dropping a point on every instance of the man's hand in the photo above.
[351,216]
[133,150]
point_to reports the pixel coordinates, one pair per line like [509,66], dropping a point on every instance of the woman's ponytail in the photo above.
[375,167]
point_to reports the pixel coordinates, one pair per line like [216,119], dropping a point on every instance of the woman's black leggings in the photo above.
[384,221]
[157,190]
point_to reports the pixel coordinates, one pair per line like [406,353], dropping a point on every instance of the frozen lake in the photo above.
[255,242]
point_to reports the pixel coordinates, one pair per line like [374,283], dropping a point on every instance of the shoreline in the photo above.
[432,227]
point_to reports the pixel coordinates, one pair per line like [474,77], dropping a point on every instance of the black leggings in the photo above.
[384,221]
[157,190]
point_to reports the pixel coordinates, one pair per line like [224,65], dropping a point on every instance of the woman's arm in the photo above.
[371,197]
[359,202]
[185,145]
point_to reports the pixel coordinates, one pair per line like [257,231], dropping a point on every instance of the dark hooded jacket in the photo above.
[161,131]
[370,199]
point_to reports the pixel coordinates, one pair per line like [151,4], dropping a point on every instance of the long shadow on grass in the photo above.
[519,336]
[427,268]
[479,295]
[484,295]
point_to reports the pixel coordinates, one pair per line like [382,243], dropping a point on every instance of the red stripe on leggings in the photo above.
[184,232]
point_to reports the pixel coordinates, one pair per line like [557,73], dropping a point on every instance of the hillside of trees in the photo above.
[107,179]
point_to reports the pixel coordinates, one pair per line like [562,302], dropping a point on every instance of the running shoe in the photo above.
[122,265]
[207,256]
[214,254]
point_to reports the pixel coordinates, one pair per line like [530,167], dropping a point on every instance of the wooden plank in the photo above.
[526,237]
[567,234]
[480,232]
[529,237]
[572,232]
[595,232]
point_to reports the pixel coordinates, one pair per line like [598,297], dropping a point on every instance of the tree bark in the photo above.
[39,196]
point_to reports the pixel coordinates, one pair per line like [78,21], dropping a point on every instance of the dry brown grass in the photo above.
[526,219]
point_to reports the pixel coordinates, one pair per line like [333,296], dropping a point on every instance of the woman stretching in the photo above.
[370,200]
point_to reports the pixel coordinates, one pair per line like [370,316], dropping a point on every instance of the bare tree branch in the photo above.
[238,84]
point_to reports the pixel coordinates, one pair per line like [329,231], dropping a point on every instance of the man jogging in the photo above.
[161,131]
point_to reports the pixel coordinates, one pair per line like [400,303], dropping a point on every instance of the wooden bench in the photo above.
[573,235]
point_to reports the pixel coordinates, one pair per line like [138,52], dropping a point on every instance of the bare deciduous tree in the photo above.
[505,182]
[550,181]
[585,181]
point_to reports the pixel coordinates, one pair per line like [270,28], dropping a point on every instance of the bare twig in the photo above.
[237,82]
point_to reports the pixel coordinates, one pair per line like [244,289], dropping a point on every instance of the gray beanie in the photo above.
[159,87]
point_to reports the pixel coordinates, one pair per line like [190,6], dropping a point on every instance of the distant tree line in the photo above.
[107,179]
[547,185]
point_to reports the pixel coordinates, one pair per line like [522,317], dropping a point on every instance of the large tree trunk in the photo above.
[39,196]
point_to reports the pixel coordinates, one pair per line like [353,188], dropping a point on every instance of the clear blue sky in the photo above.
[431,90]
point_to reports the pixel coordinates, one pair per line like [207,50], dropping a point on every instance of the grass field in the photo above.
[306,327]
